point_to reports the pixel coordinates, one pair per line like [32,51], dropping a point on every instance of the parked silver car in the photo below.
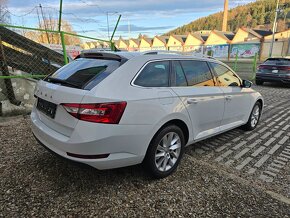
[112,110]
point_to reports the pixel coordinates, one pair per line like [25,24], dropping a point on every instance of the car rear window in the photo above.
[277,61]
[84,73]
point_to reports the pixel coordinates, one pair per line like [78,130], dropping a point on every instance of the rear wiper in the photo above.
[55,80]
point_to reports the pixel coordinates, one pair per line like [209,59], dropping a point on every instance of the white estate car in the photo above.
[112,110]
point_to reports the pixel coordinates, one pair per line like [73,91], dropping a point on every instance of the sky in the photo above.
[89,17]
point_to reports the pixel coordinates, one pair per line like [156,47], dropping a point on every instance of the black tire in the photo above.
[249,125]
[259,82]
[150,161]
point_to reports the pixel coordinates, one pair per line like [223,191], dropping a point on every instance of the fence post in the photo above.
[112,45]
[7,82]
[229,52]
[236,62]
[63,47]
[254,67]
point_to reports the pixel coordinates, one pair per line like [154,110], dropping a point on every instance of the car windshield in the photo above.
[84,73]
[277,61]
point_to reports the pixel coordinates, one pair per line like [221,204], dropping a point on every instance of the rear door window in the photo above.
[154,74]
[179,76]
[84,73]
[197,73]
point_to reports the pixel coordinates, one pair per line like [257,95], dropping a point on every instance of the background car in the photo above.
[274,70]
[112,110]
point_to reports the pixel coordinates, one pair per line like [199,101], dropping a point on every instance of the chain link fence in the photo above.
[28,54]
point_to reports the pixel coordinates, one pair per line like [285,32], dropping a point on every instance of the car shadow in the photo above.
[66,174]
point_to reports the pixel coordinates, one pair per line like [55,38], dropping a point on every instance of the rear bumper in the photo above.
[126,145]
[270,78]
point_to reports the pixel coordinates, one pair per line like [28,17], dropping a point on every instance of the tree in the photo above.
[54,38]
[258,13]
[4,13]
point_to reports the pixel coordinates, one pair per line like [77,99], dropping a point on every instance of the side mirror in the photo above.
[246,84]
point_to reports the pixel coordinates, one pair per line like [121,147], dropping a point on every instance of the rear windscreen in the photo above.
[84,73]
[277,61]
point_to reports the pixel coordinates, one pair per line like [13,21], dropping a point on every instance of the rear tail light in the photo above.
[110,113]
[286,68]
[273,67]
[264,67]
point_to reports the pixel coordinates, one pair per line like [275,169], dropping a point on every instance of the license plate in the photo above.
[275,71]
[46,107]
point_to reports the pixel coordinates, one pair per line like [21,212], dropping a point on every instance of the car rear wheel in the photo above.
[259,82]
[165,151]
[254,117]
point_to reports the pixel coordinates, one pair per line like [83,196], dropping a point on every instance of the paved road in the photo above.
[262,154]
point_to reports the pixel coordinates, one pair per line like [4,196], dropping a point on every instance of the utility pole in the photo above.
[39,24]
[44,23]
[274,28]
[129,28]
[225,18]
[60,13]
[108,25]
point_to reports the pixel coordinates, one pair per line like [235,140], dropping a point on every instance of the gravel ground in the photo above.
[37,183]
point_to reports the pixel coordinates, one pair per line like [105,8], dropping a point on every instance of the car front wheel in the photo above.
[254,117]
[165,151]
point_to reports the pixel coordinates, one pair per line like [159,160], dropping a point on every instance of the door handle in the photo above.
[228,97]
[192,101]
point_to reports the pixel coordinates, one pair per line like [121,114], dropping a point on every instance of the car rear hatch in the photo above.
[69,85]
[49,109]
[275,67]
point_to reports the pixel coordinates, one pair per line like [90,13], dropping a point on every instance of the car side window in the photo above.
[197,73]
[225,76]
[180,79]
[154,74]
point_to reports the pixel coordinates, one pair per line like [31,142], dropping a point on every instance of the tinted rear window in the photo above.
[278,61]
[85,73]
[197,73]
[154,74]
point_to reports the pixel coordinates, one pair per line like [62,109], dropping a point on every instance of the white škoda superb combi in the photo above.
[112,110]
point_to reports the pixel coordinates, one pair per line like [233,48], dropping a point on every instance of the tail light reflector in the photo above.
[95,156]
[109,113]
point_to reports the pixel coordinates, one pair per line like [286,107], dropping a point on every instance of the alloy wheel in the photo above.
[255,116]
[168,151]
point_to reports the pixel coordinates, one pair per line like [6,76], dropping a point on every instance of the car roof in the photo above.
[148,55]
[120,54]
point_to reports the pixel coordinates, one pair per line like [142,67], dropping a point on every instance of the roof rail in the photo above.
[176,53]
[161,52]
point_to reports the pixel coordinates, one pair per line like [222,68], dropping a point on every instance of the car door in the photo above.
[237,99]
[193,82]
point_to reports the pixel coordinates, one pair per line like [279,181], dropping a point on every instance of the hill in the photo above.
[259,14]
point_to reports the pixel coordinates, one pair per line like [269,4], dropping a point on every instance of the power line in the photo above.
[84,20]
[77,17]
[101,10]
[23,15]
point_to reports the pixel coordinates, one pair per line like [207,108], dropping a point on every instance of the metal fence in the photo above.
[27,54]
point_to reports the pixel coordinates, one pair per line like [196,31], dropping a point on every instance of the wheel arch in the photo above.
[178,122]
[261,101]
